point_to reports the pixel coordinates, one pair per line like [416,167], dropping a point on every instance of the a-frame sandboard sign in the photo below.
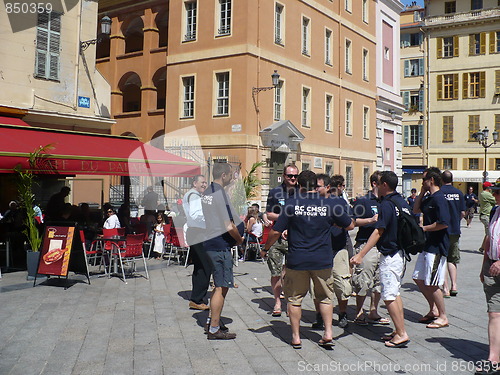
[62,252]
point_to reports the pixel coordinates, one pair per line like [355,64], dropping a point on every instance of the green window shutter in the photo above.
[455,46]
[439,87]
[420,135]
[439,48]
[421,100]
[482,84]
[406,99]
[465,88]
[482,47]
[420,67]
[406,141]
[455,86]
[42,42]
[407,68]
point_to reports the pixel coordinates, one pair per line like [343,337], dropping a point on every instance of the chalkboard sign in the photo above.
[62,252]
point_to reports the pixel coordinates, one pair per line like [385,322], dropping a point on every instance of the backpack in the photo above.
[411,237]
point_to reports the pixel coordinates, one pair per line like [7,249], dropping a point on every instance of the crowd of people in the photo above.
[308,250]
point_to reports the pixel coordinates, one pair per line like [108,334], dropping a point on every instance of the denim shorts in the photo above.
[222,268]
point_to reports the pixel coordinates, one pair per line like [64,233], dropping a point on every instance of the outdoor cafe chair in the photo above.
[178,245]
[131,252]
[92,254]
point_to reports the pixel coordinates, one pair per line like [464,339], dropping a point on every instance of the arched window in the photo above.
[162,25]
[160,82]
[130,86]
[134,35]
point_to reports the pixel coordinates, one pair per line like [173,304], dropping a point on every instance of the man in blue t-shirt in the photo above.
[308,218]
[391,263]
[430,268]
[275,201]
[471,201]
[366,276]
[223,231]
[456,202]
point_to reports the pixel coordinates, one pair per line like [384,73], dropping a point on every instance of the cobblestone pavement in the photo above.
[145,327]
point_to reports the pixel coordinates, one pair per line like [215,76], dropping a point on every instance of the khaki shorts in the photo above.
[366,276]
[341,274]
[454,250]
[296,285]
[491,287]
[276,257]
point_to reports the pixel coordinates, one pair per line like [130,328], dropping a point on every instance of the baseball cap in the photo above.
[496,186]
[487,184]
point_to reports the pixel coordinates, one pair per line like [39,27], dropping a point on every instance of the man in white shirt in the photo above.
[191,203]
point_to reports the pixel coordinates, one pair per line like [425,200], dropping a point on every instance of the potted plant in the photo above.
[25,182]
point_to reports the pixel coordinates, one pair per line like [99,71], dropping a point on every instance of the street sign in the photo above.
[83,102]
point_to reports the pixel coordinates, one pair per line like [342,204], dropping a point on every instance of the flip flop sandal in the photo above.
[297,346]
[380,320]
[361,322]
[392,344]
[453,293]
[388,337]
[326,344]
[276,313]
[426,319]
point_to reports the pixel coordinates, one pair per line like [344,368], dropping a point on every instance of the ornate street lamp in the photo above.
[482,138]
[255,90]
[105,31]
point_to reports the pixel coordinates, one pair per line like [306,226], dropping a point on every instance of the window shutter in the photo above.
[439,87]
[455,86]
[465,88]
[421,100]
[454,163]
[439,48]
[41,52]
[472,45]
[440,163]
[420,67]
[406,99]
[492,41]
[407,68]
[406,137]
[455,46]
[481,163]
[497,81]
[466,163]
[482,84]
[420,135]
[482,40]
[492,164]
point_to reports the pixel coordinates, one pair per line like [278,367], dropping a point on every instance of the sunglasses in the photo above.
[110,212]
[292,175]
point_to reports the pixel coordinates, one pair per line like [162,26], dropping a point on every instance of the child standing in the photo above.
[159,238]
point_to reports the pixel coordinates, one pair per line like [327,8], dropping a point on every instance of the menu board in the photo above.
[56,250]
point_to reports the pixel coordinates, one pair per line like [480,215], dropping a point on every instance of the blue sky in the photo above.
[408,2]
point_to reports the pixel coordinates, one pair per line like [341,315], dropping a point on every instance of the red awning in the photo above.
[12,121]
[76,153]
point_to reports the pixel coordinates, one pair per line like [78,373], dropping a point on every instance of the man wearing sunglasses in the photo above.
[275,202]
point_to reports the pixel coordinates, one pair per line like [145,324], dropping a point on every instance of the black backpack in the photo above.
[411,237]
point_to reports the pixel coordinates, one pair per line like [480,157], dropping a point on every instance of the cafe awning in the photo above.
[76,153]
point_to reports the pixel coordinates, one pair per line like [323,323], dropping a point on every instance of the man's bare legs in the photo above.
[216,304]
[434,297]
[396,312]
[276,286]
[493,336]
[433,311]
[295,313]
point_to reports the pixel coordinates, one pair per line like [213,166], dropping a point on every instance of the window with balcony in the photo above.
[188,97]
[447,129]
[306,97]
[348,118]
[328,113]
[474,85]
[48,45]
[413,101]
[450,7]
[278,24]
[190,10]
[476,4]
[306,39]
[477,44]
[278,101]
[224,17]
[414,67]
[473,127]
[328,47]
[447,86]
[413,135]
[222,93]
